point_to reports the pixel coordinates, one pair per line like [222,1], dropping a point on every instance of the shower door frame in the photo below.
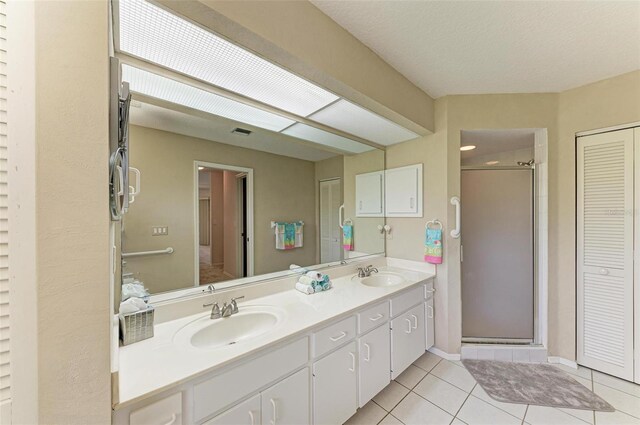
[535,232]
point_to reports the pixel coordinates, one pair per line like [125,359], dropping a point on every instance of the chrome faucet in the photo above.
[366,271]
[227,309]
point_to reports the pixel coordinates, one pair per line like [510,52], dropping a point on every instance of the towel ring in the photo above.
[434,222]
[348,221]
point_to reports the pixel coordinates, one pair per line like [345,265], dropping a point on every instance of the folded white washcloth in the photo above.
[315,276]
[304,288]
[132,305]
[306,280]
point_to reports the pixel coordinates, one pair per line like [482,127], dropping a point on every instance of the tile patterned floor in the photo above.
[437,391]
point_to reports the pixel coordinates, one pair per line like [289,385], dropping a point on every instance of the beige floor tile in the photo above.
[541,415]
[414,410]
[586,382]
[390,396]
[369,414]
[427,361]
[622,401]
[457,421]
[477,412]
[582,372]
[617,383]
[390,420]
[584,415]
[411,376]
[517,410]
[441,393]
[615,418]
[455,375]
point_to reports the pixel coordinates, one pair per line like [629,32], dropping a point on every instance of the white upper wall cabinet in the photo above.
[370,194]
[403,191]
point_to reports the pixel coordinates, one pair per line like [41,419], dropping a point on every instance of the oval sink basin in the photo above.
[250,322]
[383,279]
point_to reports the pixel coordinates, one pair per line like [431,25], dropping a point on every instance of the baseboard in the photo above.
[562,361]
[446,356]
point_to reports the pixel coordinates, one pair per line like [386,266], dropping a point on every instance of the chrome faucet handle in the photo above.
[226,310]
[215,310]
[362,272]
[234,304]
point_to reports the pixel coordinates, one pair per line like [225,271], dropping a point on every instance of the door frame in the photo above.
[249,230]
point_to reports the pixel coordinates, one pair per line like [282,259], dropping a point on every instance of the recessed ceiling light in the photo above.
[200,168]
[467,148]
[492,162]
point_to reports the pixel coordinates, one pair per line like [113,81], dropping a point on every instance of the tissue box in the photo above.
[136,326]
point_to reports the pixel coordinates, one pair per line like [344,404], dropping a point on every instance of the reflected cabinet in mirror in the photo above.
[218,201]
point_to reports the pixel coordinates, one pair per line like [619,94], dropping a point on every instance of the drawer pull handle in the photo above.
[173,420]
[409,328]
[253,422]
[353,362]
[339,337]
[368,358]
[431,291]
[377,317]
[275,411]
[415,321]
[430,310]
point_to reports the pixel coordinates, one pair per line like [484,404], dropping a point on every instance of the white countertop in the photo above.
[158,363]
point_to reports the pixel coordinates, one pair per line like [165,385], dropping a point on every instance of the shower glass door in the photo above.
[498,254]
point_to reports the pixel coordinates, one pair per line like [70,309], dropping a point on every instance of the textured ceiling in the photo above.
[474,47]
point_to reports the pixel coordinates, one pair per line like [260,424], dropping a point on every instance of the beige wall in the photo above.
[60,370]
[283,191]
[366,236]
[301,38]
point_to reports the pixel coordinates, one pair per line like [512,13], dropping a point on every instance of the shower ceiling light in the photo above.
[491,162]
[159,87]
[156,35]
[467,148]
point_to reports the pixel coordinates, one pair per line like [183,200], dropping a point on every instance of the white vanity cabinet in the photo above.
[429,315]
[287,402]
[403,191]
[335,386]
[245,413]
[408,339]
[167,411]
[370,194]
[375,362]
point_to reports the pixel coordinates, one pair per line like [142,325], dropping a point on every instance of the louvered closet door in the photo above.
[605,252]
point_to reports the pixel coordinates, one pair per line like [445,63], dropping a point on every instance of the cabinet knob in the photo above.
[604,271]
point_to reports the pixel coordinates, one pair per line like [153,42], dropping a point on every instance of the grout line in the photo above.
[433,367]
[433,404]
[525,414]
[593,390]
[462,405]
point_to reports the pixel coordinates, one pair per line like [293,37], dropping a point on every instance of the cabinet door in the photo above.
[166,411]
[375,363]
[403,191]
[335,387]
[429,318]
[408,339]
[287,402]
[245,413]
[370,194]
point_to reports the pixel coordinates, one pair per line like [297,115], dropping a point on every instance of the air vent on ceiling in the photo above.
[241,131]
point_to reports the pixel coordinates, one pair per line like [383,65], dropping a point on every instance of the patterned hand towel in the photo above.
[289,235]
[433,246]
[347,237]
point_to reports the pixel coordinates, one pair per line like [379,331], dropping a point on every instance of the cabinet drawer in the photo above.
[373,316]
[334,335]
[246,413]
[407,300]
[220,391]
[164,412]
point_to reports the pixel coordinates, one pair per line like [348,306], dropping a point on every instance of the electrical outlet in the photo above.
[159,231]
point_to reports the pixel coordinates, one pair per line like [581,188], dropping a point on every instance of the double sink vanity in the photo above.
[284,357]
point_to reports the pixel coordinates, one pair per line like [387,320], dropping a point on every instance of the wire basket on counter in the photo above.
[136,326]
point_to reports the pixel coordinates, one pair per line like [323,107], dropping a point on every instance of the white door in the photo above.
[375,363]
[605,252]
[636,138]
[334,387]
[287,402]
[245,413]
[408,339]
[330,238]
[370,194]
[403,191]
[429,319]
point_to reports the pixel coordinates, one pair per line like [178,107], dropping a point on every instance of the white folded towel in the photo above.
[132,305]
[315,276]
[304,288]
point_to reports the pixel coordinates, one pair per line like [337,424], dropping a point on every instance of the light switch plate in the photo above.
[159,231]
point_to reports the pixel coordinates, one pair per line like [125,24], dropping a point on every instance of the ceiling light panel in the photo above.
[358,121]
[152,33]
[312,134]
[150,84]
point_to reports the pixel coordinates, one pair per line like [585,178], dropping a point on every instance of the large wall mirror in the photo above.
[222,202]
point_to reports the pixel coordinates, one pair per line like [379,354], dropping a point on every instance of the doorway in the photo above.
[224,219]
[330,233]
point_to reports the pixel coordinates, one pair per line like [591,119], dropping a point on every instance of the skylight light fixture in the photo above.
[316,135]
[361,122]
[467,148]
[156,35]
[159,87]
